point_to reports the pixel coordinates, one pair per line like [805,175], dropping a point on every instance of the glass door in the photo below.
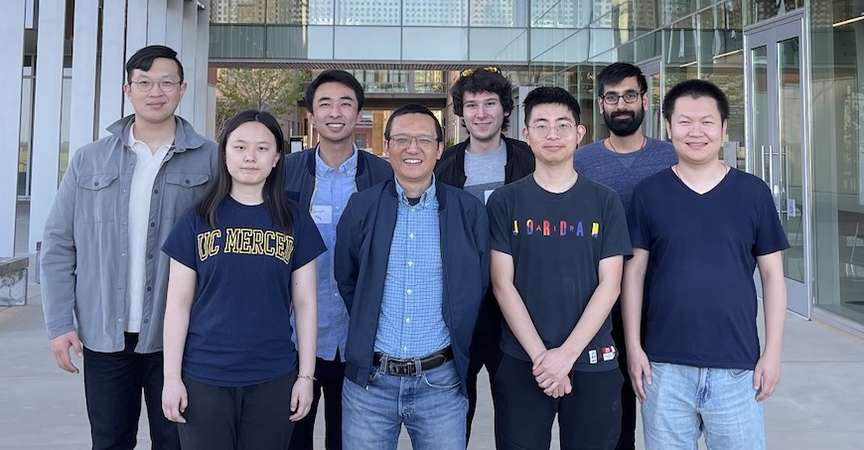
[776,140]
[652,126]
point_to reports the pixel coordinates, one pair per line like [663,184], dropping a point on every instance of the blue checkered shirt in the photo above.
[411,323]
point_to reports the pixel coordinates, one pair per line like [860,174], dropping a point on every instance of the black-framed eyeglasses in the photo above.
[469,72]
[611,98]
[167,86]
[403,141]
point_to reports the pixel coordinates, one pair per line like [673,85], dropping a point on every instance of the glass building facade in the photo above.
[793,71]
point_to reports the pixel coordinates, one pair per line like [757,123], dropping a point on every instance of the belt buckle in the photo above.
[400,368]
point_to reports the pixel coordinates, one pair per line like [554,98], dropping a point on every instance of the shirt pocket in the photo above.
[97,199]
[185,189]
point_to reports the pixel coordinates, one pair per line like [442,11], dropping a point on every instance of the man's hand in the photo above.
[60,349]
[766,375]
[301,398]
[564,388]
[174,400]
[639,368]
[552,367]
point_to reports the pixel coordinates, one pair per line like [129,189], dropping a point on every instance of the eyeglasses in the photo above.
[562,129]
[469,72]
[167,86]
[403,141]
[611,98]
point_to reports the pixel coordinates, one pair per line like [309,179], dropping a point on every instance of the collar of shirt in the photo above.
[347,167]
[427,200]
[136,145]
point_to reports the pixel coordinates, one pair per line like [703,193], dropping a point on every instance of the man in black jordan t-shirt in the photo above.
[558,241]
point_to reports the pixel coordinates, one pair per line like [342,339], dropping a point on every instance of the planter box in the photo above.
[13,281]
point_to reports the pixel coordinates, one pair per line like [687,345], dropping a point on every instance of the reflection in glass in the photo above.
[368,12]
[721,60]
[838,137]
[65,111]
[321,12]
[498,44]
[562,14]
[499,13]
[26,133]
[791,198]
[453,13]
[286,12]
[760,114]
[233,11]
[680,58]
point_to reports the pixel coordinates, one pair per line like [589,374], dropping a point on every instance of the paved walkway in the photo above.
[819,404]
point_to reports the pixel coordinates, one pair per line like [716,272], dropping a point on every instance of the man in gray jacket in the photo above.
[104,279]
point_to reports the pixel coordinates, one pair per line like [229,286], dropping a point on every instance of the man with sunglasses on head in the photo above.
[620,162]
[482,163]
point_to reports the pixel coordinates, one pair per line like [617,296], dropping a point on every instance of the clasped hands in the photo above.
[551,370]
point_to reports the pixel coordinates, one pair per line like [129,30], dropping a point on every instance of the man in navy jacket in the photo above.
[412,265]
[321,179]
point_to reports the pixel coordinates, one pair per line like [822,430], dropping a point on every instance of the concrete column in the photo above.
[136,36]
[12,23]
[46,114]
[83,96]
[174,23]
[112,71]
[200,70]
[157,18]
[187,51]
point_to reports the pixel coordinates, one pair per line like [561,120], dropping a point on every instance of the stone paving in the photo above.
[819,404]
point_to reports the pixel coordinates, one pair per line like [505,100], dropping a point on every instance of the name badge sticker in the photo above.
[592,356]
[322,214]
[486,195]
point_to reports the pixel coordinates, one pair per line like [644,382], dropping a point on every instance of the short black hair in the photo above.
[334,76]
[483,80]
[413,108]
[616,73]
[695,89]
[143,60]
[545,94]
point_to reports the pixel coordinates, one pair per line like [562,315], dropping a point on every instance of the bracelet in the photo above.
[307,377]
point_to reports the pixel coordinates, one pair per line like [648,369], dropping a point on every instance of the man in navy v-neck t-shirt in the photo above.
[699,230]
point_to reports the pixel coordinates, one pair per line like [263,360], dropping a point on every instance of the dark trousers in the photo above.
[627,440]
[484,352]
[238,418]
[588,418]
[329,375]
[112,386]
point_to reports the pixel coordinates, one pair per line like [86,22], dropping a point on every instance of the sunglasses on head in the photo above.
[469,72]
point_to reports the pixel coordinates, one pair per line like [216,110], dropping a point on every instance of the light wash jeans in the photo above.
[431,406]
[685,401]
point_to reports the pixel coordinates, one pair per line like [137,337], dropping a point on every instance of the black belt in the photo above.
[408,367]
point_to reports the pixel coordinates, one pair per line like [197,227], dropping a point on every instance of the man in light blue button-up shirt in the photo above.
[411,324]
[322,179]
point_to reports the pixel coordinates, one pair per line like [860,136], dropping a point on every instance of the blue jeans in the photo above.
[431,405]
[684,401]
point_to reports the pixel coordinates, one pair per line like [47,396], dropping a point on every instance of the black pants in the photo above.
[238,418]
[112,386]
[330,375]
[588,418]
[627,440]
[484,352]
